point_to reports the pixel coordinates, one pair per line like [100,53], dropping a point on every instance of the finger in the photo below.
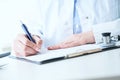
[18,49]
[24,54]
[54,47]
[38,41]
[24,40]
[23,50]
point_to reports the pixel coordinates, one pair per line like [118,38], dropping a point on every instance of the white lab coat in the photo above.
[53,19]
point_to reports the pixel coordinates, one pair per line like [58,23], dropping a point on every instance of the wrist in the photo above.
[89,37]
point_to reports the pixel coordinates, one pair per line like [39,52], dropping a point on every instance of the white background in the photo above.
[10,15]
[8,25]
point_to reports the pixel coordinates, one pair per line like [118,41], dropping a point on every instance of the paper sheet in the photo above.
[48,54]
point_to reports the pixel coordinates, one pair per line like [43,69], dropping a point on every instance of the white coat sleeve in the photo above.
[112,26]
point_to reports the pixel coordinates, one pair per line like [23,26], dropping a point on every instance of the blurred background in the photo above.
[8,23]
[11,12]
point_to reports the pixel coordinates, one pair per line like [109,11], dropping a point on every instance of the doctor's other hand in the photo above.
[75,40]
[22,46]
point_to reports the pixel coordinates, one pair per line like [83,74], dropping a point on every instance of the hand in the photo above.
[75,40]
[22,46]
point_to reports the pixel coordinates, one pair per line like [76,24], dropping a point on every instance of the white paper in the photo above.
[49,54]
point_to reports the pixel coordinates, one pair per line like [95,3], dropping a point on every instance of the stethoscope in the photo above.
[108,40]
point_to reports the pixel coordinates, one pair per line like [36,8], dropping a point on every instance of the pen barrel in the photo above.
[27,33]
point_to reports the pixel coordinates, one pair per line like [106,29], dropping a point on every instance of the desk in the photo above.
[102,65]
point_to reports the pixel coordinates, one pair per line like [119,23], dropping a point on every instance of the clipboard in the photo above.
[62,54]
[4,54]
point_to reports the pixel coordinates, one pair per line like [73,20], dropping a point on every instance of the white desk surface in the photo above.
[102,65]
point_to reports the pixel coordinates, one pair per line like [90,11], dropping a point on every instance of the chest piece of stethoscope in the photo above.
[107,40]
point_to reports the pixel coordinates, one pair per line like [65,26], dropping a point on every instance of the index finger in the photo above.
[23,39]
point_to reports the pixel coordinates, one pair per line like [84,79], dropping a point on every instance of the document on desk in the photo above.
[47,56]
